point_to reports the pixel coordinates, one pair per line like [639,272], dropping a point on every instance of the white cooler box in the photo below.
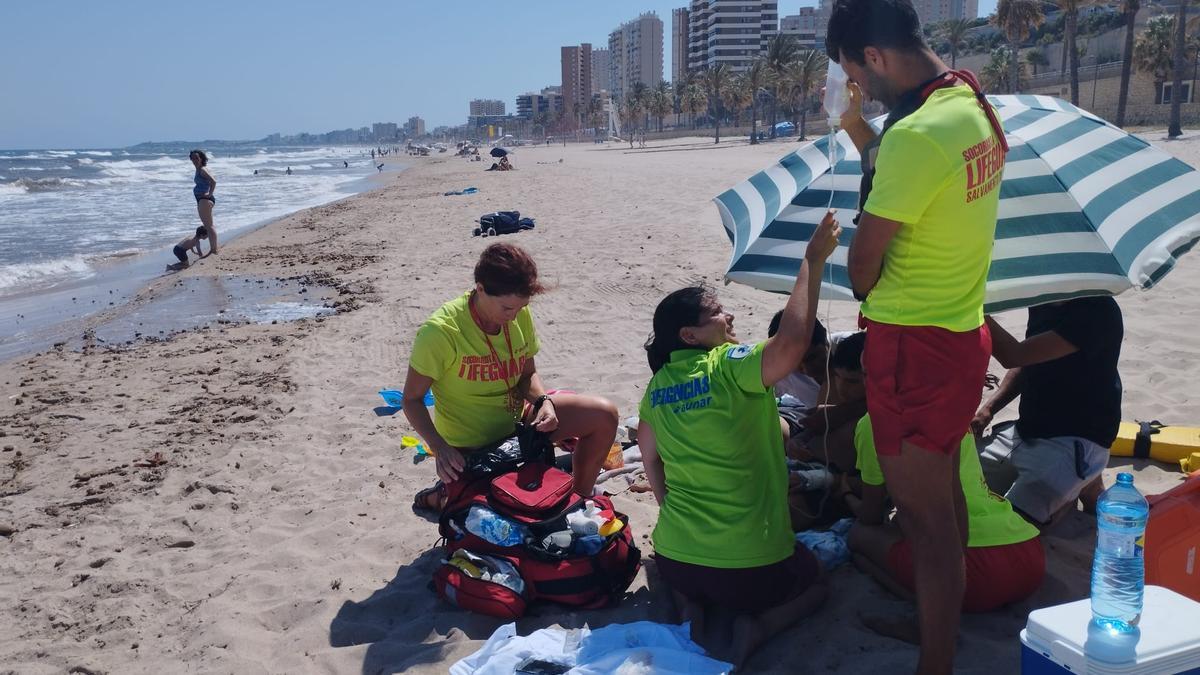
[1054,638]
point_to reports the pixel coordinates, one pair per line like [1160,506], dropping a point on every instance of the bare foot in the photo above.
[902,626]
[746,637]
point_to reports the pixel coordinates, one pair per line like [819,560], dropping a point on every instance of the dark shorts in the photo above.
[748,590]
[200,198]
[996,575]
[924,384]
[180,253]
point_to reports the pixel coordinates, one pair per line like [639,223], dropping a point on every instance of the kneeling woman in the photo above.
[1005,562]
[477,354]
[712,450]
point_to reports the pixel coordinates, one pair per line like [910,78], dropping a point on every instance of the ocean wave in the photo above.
[61,153]
[161,168]
[24,274]
[97,153]
[23,185]
[86,160]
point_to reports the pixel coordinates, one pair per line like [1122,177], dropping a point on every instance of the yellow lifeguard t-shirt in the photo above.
[717,431]
[469,388]
[937,173]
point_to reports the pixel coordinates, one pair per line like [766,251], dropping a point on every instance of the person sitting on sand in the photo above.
[1005,562]
[189,244]
[506,165]
[713,454]
[1065,372]
[477,353]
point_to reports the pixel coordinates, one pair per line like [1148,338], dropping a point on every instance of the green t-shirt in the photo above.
[937,173]
[469,388]
[991,520]
[717,430]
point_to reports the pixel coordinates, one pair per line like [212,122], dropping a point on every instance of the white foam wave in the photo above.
[61,153]
[86,160]
[25,274]
[97,153]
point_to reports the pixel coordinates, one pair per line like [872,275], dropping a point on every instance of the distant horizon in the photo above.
[114,76]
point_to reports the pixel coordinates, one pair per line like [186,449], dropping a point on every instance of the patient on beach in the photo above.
[190,244]
[477,354]
[1065,372]
[709,433]
[1005,562]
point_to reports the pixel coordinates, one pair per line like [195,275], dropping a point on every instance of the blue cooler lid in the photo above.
[1169,640]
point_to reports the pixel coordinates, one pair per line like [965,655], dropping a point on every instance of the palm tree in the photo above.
[1070,9]
[1129,8]
[1017,19]
[998,70]
[954,32]
[661,101]
[1152,50]
[640,93]
[716,81]
[802,78]
[693,99]
[737,96]
[1035,58]
[782,50]
[1174,126]
[757,79]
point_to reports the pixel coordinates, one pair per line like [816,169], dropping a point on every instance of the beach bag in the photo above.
[483,584]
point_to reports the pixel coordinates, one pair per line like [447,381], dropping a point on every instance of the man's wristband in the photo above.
[542,399]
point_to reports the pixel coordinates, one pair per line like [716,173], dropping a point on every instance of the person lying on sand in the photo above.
[713,453]
[1005,562]
[190,244]
[477,354]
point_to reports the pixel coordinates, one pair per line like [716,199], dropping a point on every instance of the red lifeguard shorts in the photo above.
[996,575]
[924,384]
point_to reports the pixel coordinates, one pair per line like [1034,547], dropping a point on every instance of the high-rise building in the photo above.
[936,11]
[636,53]
[679,45]
[733,32]
[384,131]
[486,106]
[576,79]
[808,27]
[601,70]
[415,126]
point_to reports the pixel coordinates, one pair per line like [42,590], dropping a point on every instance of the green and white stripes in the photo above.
[1085,209]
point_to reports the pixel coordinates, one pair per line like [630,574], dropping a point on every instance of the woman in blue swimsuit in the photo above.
[205,184]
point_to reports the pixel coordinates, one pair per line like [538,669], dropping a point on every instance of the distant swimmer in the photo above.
[203,191]
[289,171]
[256,172]
[344,163]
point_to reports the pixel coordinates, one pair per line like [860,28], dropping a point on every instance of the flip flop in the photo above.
[421,500]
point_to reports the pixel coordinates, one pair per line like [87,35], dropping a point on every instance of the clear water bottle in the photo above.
[1118,571]
[494,528]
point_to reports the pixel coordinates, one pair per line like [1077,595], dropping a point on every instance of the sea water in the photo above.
[83,231]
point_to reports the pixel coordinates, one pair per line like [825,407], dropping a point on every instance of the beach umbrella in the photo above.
[499,152]
[1085,209]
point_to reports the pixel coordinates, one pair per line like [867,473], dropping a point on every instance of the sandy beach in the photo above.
[273,533]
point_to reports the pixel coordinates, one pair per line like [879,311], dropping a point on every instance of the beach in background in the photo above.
[82,230]
[273,532]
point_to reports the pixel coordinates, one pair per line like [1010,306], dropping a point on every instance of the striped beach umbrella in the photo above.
[1085,209]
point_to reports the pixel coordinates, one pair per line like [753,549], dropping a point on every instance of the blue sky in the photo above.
[108,74]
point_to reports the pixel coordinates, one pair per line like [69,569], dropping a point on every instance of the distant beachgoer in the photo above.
[506,165]
[256,172]
[344,164]
[379,167]
[203,191]
[190,244]
[289,171]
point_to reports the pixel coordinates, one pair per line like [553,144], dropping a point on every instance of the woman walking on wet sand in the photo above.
[205,184]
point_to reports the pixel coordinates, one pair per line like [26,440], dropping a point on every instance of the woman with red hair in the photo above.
[477,354]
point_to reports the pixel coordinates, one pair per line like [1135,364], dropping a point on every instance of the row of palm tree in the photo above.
[1156,51]
[784,78]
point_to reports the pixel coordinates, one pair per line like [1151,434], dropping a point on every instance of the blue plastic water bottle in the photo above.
[494,528]
[1118,571]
